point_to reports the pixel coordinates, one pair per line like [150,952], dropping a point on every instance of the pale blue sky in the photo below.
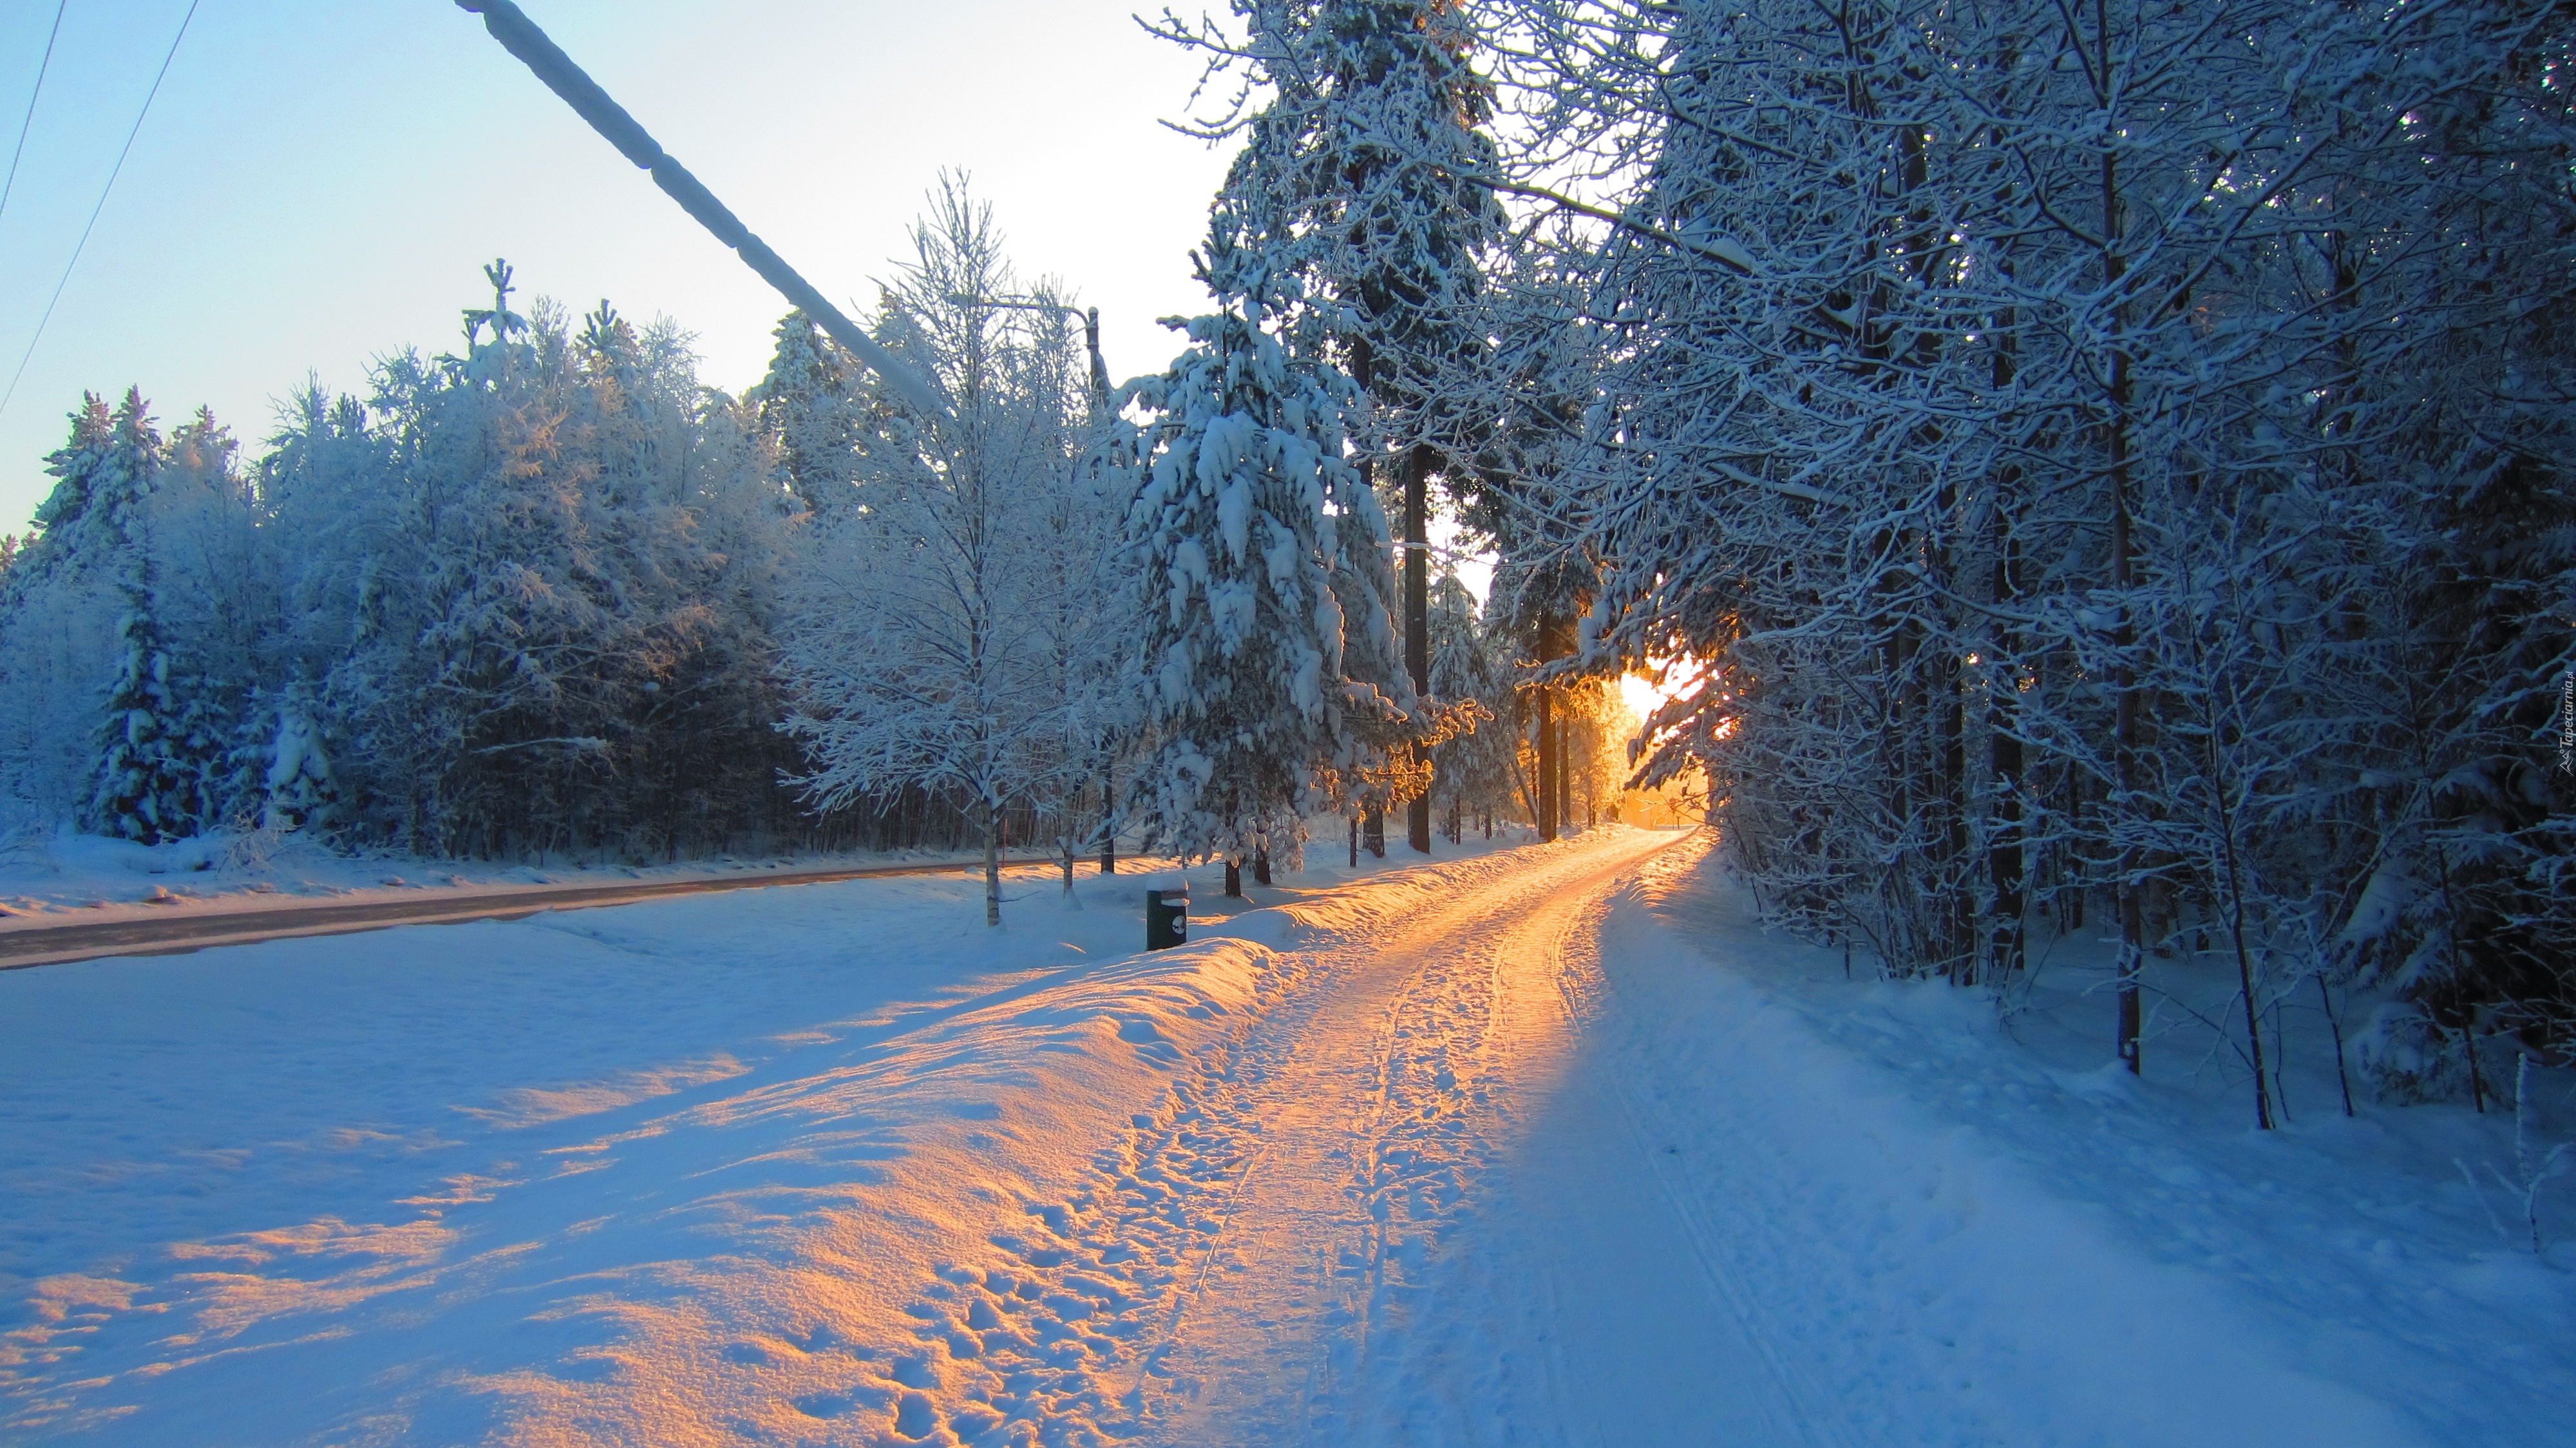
[320,180]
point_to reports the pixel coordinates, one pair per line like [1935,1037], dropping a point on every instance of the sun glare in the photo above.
[1645,696]
[1640,694]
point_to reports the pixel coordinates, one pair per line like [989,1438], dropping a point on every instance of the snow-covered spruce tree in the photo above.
[296,786]
[217,599]
[949,632]
[1365,172]
[1252,712]
[810,404]
[151,752]
[60,610]
[148,546]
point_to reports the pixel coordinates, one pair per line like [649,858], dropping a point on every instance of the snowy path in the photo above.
[1551,1146]
[1450,1233]
[1397,1214]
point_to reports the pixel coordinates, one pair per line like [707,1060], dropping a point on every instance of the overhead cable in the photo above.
[30,118]
[113,172]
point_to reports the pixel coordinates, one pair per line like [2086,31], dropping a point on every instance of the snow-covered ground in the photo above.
[1544,1145]
[1968,1230]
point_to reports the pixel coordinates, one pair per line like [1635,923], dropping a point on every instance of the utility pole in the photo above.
[520,36]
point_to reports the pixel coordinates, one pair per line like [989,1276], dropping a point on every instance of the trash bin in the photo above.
[1167,918]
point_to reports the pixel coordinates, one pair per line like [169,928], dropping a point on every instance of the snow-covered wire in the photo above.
[521,37]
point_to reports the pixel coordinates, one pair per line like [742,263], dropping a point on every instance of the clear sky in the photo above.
[320,181]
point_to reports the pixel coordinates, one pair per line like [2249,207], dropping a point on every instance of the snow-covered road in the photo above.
[1549,1146]
[1400,1212]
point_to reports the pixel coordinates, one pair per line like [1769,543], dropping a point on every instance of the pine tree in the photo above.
[295,779]
[93,519]
[811,406]
[152,750]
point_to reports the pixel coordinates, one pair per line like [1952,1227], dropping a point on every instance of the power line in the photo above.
[113,172]
[41,67]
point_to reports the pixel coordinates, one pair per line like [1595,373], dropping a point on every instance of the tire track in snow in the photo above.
[1260,1253]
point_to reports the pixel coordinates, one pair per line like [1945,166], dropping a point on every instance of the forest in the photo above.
[2080,471]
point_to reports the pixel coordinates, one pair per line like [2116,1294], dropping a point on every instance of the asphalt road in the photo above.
[179,933]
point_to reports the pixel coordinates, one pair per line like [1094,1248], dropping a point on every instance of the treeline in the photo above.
[2100,470]
[2105,465]
[525,597]
[520,598]
[550,594]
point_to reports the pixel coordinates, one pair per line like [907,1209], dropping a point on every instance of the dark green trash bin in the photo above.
[1167,918]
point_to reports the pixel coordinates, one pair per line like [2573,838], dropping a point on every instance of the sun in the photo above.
[1645,696]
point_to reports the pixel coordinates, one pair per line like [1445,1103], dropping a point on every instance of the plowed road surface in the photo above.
[190,929]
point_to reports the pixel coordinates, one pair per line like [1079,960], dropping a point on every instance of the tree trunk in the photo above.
[2124,741]
[1234,878]
[2005,865]
[992,863]
[1554,748]
[1108,820]
[1546,801]
[1261,867]
[1417,624]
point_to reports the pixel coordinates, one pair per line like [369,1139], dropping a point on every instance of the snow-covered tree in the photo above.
[1925,341]
[811,403]
[156,741]
[1237,532]
[1366,172]
[952,630]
